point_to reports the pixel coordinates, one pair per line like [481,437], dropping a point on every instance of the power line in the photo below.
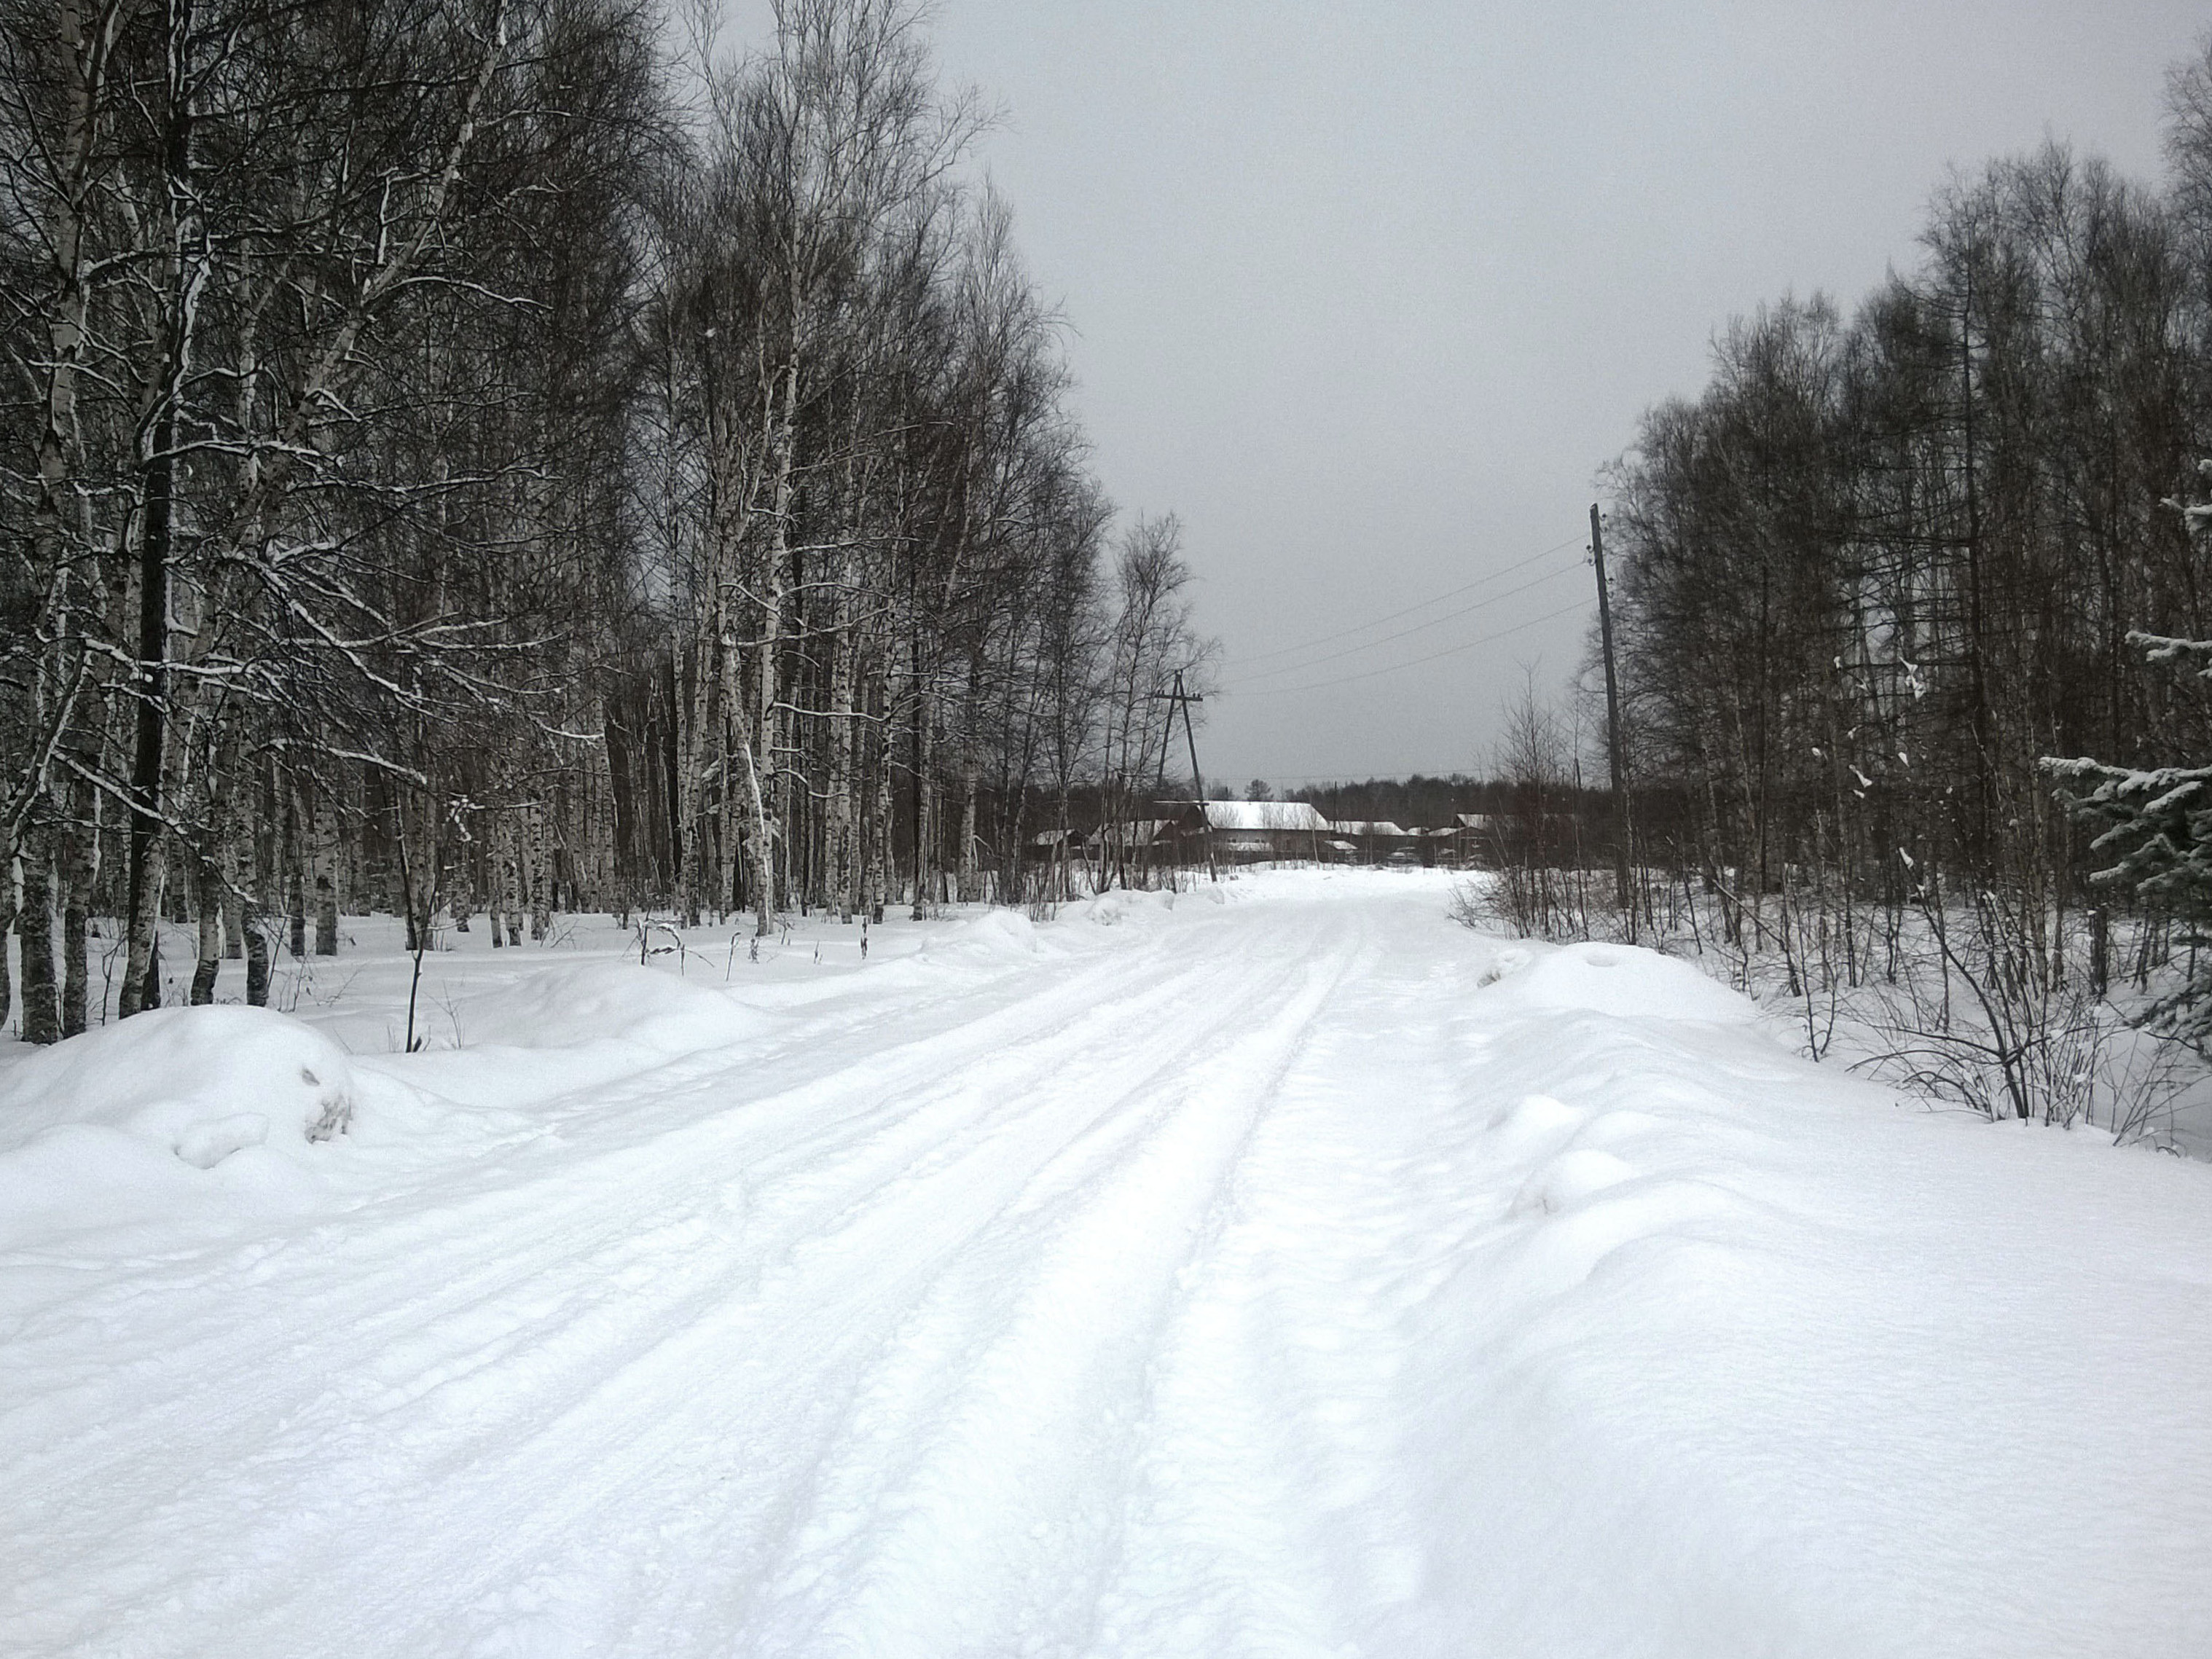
[1422,604]
[1398,775]
[1419,627]
[1434,656]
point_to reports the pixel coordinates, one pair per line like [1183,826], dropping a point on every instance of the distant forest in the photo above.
[469,457]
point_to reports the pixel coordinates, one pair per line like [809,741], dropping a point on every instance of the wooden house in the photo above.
[1378,840]
[1256,831]
[1477,841]
[1152,835]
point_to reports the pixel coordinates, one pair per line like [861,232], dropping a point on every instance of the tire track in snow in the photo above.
[376,1255]
[1264,1521]
[501,1348]
[202,1396]
[992,1454]
[854,1310]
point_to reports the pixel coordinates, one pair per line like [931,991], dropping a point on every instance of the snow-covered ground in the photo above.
[1294,1274]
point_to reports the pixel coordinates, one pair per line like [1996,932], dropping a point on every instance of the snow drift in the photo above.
[171,1121]
[1624,981]
[587,1002]
[200,1082]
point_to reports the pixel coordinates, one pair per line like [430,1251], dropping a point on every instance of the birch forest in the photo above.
[473,459]
[1892,574]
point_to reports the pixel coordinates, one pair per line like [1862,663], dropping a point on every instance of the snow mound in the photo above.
[1112,908]
[1572,1178]
[584,1002]
[1535,1117]
[996,937]
[203,1083]
[1621,980]
[1002,930]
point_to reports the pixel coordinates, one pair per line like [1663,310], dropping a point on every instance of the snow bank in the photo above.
[176,1112]
[1621,980]
[1786,1371]
[1112,909]
[587,1002]
[1000,933]
[200,1082]
[993,938]
[499,1060]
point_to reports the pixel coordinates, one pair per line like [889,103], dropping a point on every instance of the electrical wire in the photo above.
[1434,656]
[1417,628]
[1423,605]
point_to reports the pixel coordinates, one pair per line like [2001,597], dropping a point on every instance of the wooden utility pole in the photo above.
[1620,822]
[1183,700]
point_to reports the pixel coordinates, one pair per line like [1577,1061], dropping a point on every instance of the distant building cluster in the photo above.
[1284,831]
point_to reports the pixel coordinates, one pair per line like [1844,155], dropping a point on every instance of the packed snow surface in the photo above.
[1298,1274]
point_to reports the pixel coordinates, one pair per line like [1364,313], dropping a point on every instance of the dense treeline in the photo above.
[1886,564]
[1418,799]
[455,459]
[1549,811]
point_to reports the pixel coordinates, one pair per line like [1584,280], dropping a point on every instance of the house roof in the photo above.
[1370,828]
[1264,815]
[1475,820]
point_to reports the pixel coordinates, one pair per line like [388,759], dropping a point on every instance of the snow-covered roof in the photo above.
[1474,820]
[1370,828]
[1265,815]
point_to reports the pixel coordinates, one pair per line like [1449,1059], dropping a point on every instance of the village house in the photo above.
[1374,840]
[1476,840]
[1437,848]
[1152,835]
[1256,831]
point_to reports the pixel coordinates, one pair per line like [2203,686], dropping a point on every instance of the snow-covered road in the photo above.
[1300,1274]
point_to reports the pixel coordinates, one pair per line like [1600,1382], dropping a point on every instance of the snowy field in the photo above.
[1294,1274]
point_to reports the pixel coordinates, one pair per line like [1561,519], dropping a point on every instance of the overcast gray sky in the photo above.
[1368,293]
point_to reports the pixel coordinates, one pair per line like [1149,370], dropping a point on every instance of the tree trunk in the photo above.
[325,843]
[879,850]
[246,912]
[234,866]
[924,816]
[764,763]
[510,886]
[77,905]
[971,781]
[158,470]
[34,927]
[209,963]
[296,881]
[256,959]
[697,715]
[9,909]
[540,828]
[840,876]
